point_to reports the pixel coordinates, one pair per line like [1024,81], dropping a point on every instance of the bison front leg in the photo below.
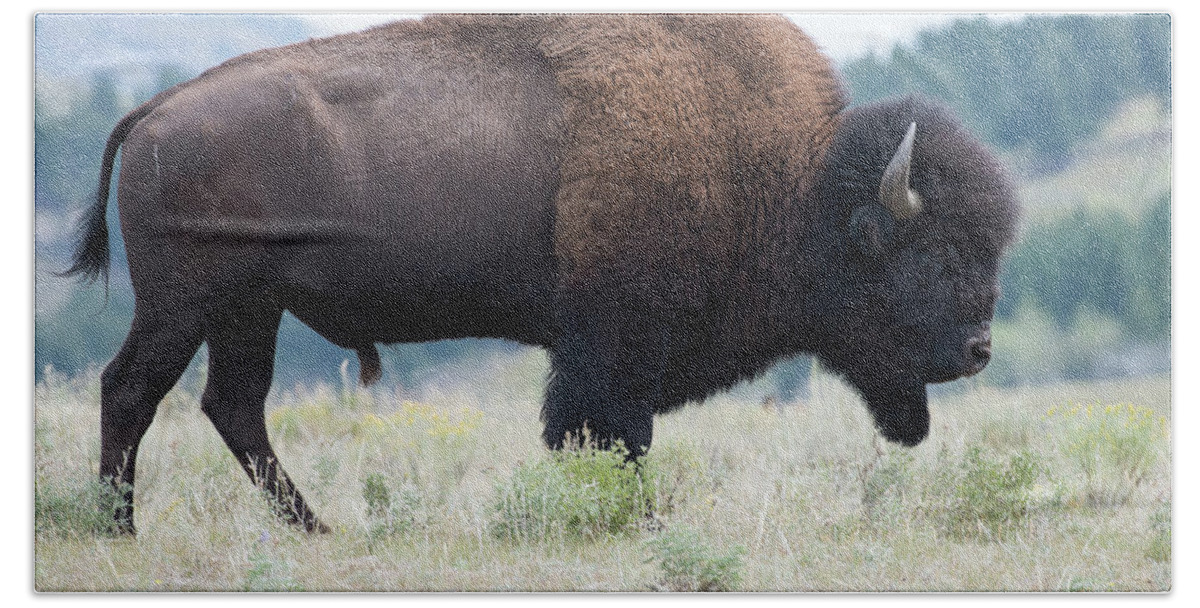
[605,384]
[241,364]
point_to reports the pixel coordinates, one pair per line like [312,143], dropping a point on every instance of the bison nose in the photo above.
[979,352]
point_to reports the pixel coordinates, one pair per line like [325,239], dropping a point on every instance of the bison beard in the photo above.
[900,412]
[667,204]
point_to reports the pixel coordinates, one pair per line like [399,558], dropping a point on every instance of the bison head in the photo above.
[915,215]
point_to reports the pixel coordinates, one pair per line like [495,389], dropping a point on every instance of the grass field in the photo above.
[1055,488]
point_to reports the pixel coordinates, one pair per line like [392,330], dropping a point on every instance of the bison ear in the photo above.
[871,230]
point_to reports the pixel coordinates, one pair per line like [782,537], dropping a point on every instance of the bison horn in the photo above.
[894,190]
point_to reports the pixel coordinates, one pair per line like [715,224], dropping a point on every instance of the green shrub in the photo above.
[886,485]
[268,573]
[992,499]
[327,468]
[1115,446]
[1160,527]
[680,473]
[689,564]
[73,512]
[585,492]
[390,511]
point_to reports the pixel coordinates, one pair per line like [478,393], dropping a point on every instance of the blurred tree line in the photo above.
[1043,83]
[1095,262]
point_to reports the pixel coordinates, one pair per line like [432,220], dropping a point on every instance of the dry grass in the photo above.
[805,496]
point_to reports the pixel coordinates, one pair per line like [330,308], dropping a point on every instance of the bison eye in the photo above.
[872,232]
[942,263]
[931,266]
[954,261]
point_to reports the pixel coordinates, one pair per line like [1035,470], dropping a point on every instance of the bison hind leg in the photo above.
[154,355]
[241,365]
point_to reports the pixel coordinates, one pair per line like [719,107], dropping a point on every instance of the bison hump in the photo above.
[685,131]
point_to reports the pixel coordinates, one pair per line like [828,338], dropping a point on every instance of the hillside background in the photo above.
[1079,107]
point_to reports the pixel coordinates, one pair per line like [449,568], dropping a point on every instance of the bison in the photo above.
[668,204]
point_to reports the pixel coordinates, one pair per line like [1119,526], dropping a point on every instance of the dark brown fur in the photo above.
[665,203]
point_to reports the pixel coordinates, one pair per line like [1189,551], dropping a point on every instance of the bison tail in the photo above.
[91,259]
[91,250]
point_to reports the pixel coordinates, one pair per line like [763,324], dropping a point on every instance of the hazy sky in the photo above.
[846,36]
[843,36]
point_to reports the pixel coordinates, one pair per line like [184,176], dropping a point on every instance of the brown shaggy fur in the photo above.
[667,116]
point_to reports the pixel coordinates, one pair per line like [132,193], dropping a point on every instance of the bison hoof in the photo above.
[118,529]
[653,523]
[905,437]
